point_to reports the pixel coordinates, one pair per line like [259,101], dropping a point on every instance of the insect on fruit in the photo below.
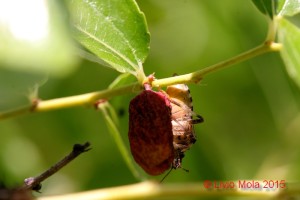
[161,127]
[182,121]
[150,131]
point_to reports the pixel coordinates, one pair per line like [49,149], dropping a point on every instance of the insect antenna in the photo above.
[198,120]
[166,175]
[186,170]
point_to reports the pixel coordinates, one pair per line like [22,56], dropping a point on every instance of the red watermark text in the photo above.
[265,185]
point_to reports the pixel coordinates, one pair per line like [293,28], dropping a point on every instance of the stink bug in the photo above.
[150,131]
[182,121]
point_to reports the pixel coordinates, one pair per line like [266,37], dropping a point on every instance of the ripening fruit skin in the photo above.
[150,131]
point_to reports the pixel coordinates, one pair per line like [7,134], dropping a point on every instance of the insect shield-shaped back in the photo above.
[150,131]
[182,121]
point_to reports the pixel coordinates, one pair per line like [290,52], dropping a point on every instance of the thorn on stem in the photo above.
[97,103]
[34,104]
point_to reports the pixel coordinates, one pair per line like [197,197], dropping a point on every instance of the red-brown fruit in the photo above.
[150,131]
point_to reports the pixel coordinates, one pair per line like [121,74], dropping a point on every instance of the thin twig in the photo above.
[90,98]
[34,183]
[196,76]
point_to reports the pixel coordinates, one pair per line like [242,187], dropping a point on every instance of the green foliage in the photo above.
[289,7]
[280,7]
[267,7]
[34,38]
[121,80]
[288,33]
[289,36]
[116,31]
[251,112]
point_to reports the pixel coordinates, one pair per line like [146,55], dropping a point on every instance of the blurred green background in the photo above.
[251,110]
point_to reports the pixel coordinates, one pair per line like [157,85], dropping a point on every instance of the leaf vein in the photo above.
[108,47]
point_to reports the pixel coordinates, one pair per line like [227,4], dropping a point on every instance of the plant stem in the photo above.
[72,101]
[195,77]
[16,112]
[104,107]
[90,98]
[33,182]
[152,190]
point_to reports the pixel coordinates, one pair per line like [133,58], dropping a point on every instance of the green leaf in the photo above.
[289,7]
[280,5]
[114,30]
[267,7]
[289,36]
[34,37]
[122,80]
